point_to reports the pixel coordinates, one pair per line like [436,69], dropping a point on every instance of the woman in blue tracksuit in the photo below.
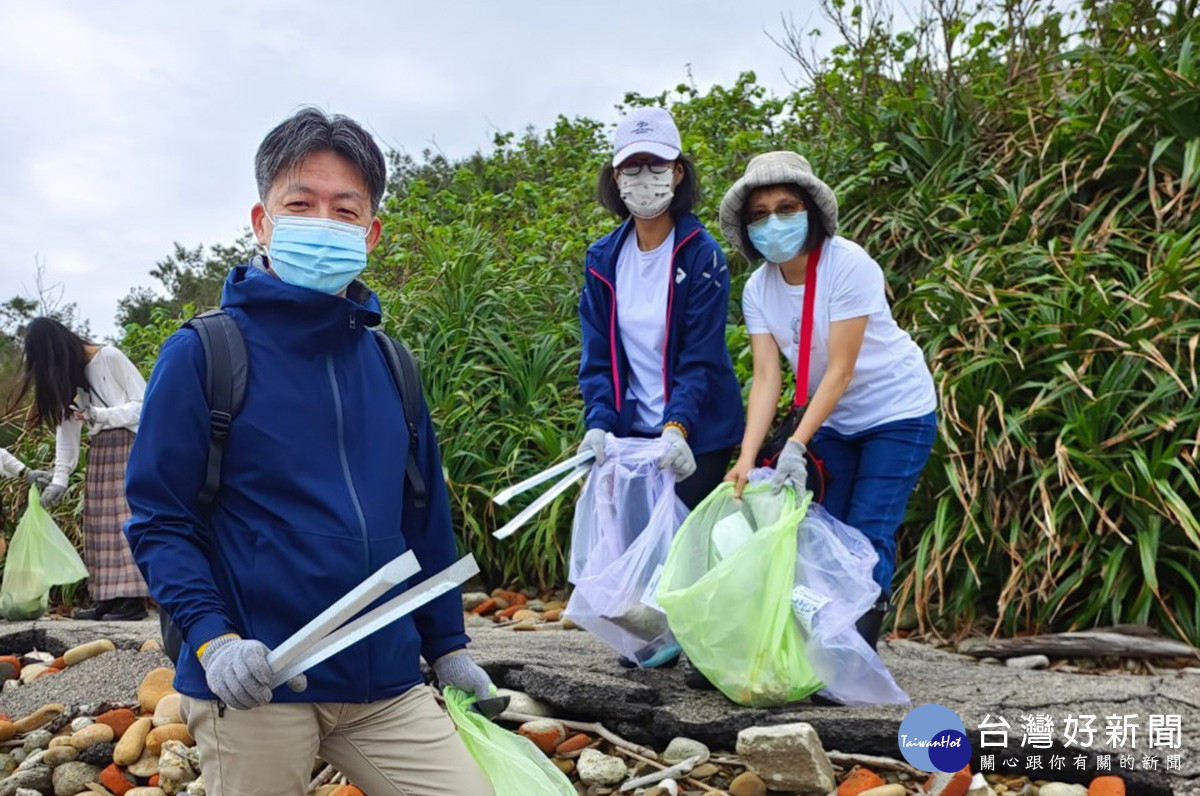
[653,310]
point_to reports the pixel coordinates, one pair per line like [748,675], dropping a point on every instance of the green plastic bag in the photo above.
[727,590]
[513,765]
[39,556]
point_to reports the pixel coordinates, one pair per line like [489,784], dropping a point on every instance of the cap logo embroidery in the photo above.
[642,127]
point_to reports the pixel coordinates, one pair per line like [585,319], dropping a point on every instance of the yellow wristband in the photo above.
[675,424]
[204,646]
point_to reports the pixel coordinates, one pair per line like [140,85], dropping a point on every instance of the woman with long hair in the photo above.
[74,382]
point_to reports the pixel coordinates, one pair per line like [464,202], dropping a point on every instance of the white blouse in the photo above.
[10,466]
[116,391]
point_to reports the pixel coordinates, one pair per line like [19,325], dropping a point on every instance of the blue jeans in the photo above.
[871,476]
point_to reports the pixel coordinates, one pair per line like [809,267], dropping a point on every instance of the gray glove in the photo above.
[594,441]
[791,468]
[457,669]
[38,478]
[53,495]
[237,671]
[678,458]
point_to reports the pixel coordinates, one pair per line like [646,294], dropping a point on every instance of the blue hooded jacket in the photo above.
[312,496]
[702,392]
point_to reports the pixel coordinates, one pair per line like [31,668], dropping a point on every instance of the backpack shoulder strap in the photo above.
[407,376]
[224,388]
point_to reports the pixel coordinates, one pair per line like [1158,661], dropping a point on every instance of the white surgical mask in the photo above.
[646,194]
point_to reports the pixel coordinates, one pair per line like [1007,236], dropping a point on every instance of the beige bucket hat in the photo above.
[773,168]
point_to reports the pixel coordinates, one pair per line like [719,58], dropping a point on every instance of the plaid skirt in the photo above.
[111,570]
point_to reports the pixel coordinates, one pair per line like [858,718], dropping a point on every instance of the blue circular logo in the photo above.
[933,738]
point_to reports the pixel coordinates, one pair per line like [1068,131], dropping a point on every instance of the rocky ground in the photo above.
[570,676]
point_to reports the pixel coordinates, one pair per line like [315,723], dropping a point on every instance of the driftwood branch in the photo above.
[876,763]
[681,769]
[695,783]
[585,726]
[1087,644]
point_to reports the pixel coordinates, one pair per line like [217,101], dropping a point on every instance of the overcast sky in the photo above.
[130,125]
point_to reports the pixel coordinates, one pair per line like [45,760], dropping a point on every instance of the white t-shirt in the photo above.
[117,389]
[891,380]
[643,285]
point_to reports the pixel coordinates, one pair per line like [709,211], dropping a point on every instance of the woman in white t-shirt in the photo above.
[870,415]
[76,382]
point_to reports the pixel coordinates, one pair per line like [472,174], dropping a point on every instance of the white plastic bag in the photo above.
[625,520]
[835,586]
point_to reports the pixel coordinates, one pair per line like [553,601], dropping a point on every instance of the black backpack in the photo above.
[225,390]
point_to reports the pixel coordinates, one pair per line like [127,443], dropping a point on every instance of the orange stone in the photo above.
[112,779]
[51,670]
[553,615]
[153,781]
[1107,786]
[59,663]
[348,790]
[508,612]
[860,779]
[573,744]
[486,607]
[14,662]
[958,784]
[120,721]
[512,597]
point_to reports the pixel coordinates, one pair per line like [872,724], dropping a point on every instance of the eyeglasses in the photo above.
[634,168]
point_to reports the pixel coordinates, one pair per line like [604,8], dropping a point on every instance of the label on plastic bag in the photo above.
[649,596]
[805,603]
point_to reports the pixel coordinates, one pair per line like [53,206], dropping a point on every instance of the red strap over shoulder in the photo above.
[806,323]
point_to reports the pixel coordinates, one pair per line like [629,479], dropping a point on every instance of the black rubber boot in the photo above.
[870,623]
[95,611]
[694,678]
[126,609]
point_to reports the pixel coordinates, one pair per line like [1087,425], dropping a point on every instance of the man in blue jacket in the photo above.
[312,501]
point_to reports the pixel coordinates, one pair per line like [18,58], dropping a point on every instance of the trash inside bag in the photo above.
[39,556]
[834,587]
[511,763]
[728,595]
[625,520]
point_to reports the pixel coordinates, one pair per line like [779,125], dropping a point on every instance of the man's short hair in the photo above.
[312,130]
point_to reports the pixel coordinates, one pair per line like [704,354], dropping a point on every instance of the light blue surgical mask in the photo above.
[779,237]
[317,253]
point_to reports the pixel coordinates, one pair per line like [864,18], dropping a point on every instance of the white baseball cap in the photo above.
[649,131]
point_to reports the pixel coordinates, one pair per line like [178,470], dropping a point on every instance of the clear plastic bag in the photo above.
[511,763]
[834,586]
[728,595]
[625,520]
[40,556]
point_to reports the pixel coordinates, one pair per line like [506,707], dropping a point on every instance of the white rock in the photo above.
[197,788]
[473,599]
[681,749]
[1062,789]
[520,702]
[1028,662]
[11,685]
[980,787]
[787,757]
[597,768]
[81,723]
[167,711]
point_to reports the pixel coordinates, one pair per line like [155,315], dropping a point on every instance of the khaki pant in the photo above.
[399,747]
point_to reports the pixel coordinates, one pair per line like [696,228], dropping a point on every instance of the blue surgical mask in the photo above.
[779,238]
[317,253]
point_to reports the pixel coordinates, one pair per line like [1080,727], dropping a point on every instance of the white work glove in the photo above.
[594,441]
[53,495]
[237,672]
[678,458]
[792,467]
[457,669]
